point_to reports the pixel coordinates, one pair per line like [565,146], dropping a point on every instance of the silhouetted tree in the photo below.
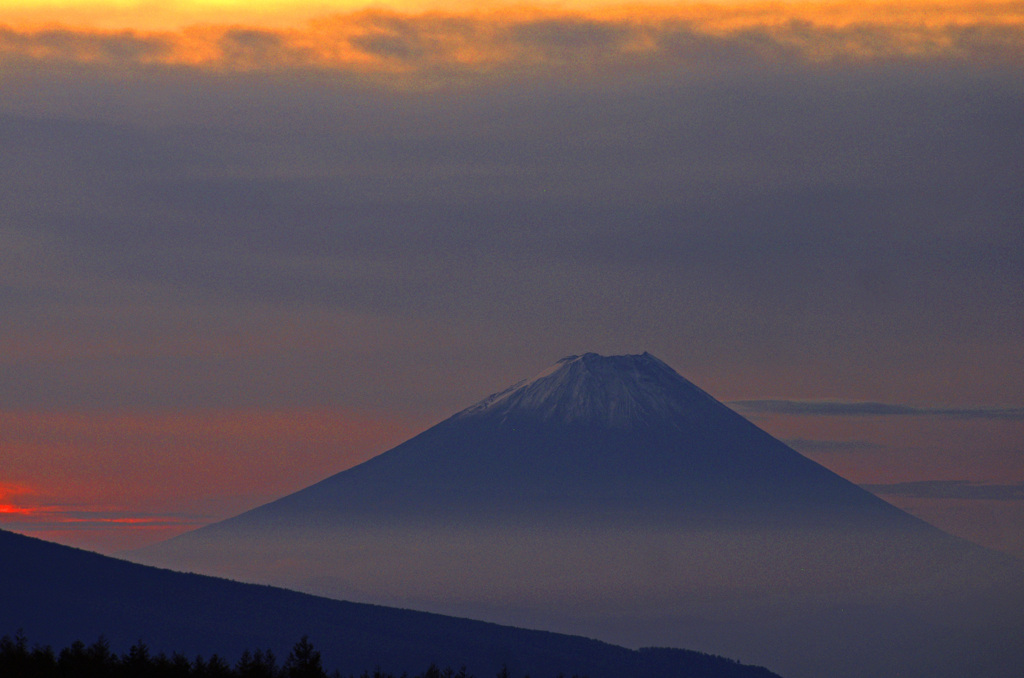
[304,661]
[181,667]
[101,659]
[161,667]
[136,662]
[218,668]
[14,658]
[43,662]
[259,665]
[73,661]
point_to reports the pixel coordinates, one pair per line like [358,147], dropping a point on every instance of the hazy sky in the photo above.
[242,249]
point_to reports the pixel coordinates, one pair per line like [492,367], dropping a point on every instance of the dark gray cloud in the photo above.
[117,47]
[415,41]
[835,408]
[848,216]
[950,489]
[245,48]
[576,40]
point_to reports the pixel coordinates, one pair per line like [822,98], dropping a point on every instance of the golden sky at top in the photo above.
[419,35]
[415,34]
[156,15]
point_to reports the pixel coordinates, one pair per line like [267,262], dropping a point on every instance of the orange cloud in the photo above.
[173,15]
[418,40]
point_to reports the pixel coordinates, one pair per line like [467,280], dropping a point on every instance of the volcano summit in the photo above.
[611,497]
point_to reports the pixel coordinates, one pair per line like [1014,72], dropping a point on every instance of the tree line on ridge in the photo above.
[18,660]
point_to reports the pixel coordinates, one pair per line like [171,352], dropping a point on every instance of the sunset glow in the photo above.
[109,481]
[246,245]
[417,36]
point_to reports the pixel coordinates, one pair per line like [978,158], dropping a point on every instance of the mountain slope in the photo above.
[58,594]
[609,496]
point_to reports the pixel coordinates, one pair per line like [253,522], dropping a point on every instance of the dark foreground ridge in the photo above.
[57,595]
[77,660]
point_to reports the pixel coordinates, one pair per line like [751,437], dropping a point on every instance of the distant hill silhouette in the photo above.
[611,497]
[57,594]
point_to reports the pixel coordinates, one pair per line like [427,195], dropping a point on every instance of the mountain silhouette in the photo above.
[56,595]
[616,438]
[611,497]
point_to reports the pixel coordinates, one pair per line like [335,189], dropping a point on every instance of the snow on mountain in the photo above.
[616,392]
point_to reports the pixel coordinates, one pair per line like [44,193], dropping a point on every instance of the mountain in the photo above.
[613,438]
[57,594]
[611,497]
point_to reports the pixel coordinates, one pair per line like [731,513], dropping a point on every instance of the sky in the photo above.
[244,246]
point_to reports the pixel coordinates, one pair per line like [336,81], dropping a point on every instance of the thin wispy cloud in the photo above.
[950,489]
[45,519]
[838,408]
[25,509]
[806,445]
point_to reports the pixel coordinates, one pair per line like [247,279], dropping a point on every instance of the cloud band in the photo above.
[836,408]
[950,489]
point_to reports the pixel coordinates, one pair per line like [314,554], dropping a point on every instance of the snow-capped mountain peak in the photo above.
[616,391]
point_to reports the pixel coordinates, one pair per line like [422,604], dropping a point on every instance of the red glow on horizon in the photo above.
[17,510]
[114,480]
[9,504]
